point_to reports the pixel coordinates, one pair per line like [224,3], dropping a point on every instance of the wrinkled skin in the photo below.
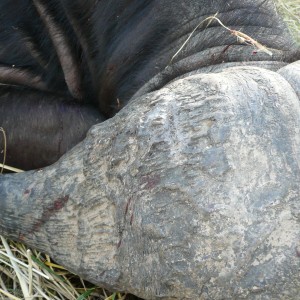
[67,65]
[190,191]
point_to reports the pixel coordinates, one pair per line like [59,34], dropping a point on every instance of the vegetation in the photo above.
[290,10]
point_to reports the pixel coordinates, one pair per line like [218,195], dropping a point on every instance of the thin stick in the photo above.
[4,149]
[6,167]
[3,165]
[242,37]
[28,252]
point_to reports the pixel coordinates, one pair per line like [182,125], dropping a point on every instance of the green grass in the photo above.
[290,10]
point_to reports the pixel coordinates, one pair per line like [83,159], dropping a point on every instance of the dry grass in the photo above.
[241,37]
[32,275]
[26,275]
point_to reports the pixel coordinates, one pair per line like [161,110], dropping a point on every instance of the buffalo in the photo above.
[163,139]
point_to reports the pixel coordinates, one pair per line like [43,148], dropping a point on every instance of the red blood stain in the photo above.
[119,243]
[131,219]
[27,191]
[127,205]
[298,251]
[151,181]
[49,211]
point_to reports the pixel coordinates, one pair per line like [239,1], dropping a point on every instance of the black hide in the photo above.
[68,64]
